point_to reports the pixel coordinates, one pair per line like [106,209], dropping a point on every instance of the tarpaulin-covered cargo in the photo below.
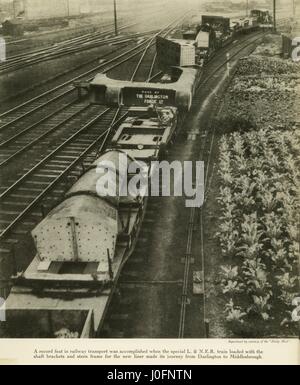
[218,22]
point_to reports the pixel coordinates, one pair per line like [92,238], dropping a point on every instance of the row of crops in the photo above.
[259,225]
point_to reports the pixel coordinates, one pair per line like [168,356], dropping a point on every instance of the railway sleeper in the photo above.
[49,174]
[55,167]
[136,261]
[37,178]
[75,148]
[125,301]
[72,153]
[58,163]
[65,157]
[119,317]
[128,287]
[149,221]
[184,300]
[36,183]
[26,195]
[15,203]
[131,274]
[5,251]
[184,260]
[37,215]
[9,242]
[8,151]
[117,334]
[21,232]
[6,212]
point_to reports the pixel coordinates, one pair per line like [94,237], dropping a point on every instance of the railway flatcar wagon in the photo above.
[245,25]
[263,17]
[214,32]
[83,244]
[146,139]
[177,92]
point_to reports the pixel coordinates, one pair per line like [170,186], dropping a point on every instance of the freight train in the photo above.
[263,17]
[83,243]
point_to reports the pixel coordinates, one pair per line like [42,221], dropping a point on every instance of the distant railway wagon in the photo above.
[219,23]
[189,34]
[244,25]
[175,52]
[263,17]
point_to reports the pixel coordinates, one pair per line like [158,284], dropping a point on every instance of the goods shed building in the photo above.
[42,9]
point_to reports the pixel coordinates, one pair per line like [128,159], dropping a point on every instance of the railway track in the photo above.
[58,50]
[207,135]
[206,153]
[23,196]
[15,43]
[64,80]
[29,119]
[14,102]
[85,32]
[27,132]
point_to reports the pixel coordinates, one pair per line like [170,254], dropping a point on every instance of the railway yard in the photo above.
[229,268]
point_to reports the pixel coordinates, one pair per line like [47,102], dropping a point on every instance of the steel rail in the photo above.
[188,255]
[38,165]
[43,135]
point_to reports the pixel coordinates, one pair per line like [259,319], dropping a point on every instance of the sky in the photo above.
[281,2]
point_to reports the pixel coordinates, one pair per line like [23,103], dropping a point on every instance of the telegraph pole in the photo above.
[294,9]
[14,8]
[116,17]
[247,8]
[274,14]
[68,8]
